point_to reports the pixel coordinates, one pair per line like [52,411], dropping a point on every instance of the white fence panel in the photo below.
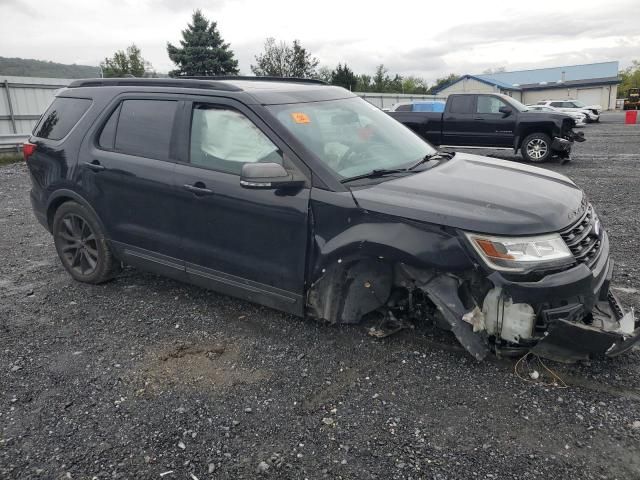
[22,101]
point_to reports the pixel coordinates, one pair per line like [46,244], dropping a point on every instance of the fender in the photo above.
[393,241]
[352,273]
[57,198]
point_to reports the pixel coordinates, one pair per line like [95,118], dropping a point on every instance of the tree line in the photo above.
[203,52]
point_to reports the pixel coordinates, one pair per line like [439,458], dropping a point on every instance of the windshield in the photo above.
[578,103]
[351,136]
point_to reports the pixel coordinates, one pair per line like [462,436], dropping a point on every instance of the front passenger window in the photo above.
[488,104]
[224,139]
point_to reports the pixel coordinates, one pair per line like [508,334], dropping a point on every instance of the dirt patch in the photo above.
[208,365]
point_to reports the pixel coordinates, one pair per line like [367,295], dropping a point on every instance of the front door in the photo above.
[244,242]
[495,129]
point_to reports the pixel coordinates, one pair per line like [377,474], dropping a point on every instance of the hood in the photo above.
[532,116]
[542,115]
[480,194]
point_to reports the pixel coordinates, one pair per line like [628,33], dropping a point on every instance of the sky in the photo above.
[426,38]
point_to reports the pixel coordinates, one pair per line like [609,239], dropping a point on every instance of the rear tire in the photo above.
[536,148]
[81,245]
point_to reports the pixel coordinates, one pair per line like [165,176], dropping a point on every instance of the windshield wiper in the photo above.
[432,156]
[375,174]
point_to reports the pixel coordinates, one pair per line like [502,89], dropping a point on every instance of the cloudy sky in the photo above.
[419,37]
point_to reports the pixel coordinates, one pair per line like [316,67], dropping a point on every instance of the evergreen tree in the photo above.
[202,51]
[344,77]
[381,79]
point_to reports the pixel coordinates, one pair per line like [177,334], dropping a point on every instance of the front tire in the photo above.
[81,246]
[536,148]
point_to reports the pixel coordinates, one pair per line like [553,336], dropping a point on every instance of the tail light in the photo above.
[27,150]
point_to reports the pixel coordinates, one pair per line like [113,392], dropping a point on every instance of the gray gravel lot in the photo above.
[143,375]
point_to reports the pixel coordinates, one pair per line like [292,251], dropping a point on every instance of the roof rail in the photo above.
[258,78]
[155,82]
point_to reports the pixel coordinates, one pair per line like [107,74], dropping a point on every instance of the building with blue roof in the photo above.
[593,83]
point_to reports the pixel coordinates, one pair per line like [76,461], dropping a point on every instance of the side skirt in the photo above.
[211,279]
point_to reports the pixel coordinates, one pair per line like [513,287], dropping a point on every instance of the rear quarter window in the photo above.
[63,114]
[461,104]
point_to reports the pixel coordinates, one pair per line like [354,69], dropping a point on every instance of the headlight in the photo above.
[520,254]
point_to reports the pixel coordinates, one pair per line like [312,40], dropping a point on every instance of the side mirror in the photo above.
[506,111]
[268,176]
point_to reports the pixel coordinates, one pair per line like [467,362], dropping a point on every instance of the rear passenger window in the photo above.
[224,139]
[144,128]
[461,104]
[61,117]
[404,108]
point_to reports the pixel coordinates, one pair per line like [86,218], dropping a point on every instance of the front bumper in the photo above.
[577,315]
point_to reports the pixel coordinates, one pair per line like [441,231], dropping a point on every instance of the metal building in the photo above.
[593,84]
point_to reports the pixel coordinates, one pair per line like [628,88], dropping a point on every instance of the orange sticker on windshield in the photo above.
[300,117]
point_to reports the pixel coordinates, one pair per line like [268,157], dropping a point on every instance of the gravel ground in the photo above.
[147,378]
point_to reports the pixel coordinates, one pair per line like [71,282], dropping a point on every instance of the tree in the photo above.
[412,84]
[381,79]
[442,82]
[123,63]
[279,59]
[324,73]
[395,84]
[629,78]
[364,83]
[202,51]
[344,77]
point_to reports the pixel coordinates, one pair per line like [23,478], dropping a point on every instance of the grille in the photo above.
[584,239]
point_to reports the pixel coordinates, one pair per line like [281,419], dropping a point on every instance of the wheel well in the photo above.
[53,207]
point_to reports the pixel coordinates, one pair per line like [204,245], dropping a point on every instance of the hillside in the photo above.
[25,67]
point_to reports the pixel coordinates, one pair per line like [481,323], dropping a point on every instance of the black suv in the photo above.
[303,197]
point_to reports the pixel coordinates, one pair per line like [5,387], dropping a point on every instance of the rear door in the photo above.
[458,124]
[244,242]
[494,129]
[127,171]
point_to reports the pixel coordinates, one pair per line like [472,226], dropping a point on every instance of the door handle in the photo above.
[95,166]
[198,188]
[478,118]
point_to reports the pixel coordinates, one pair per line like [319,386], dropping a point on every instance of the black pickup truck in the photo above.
[495,121]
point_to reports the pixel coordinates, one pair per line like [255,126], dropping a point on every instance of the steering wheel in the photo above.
[357,150]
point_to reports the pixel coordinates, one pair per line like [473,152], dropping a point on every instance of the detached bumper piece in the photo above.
[561,147]
[611,332]
[575,136]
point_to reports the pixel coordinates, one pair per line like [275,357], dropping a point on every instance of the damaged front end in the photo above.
[564,311]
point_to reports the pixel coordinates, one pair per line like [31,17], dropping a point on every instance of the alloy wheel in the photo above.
[78,244]
[537,148]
